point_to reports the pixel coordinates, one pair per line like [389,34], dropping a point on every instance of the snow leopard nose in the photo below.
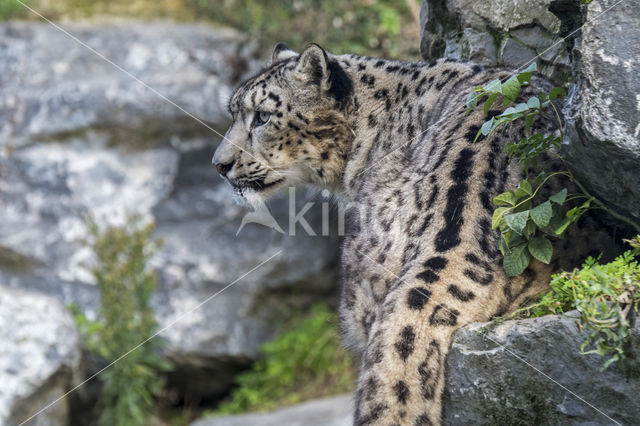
[226,153]
[223,168]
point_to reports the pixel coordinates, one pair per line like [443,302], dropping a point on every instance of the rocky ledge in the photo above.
[39,358]
[531,371]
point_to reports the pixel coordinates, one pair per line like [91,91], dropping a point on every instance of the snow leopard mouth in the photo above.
[257,185]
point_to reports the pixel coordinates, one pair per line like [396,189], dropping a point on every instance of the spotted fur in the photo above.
[419,259]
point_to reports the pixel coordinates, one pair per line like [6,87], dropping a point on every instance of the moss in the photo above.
[304,362]
[12,261]
[498,37]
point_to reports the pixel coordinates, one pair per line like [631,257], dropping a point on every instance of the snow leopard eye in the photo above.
[261,118]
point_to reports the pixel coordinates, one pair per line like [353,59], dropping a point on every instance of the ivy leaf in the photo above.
[507,112]
[486,127]
[517,221]
[530,229]
[525,75]
[559,197]
[534,102]
[494,86]
[574,214]
[557,92]
[472,101]
[524,188]
[516,239]
[528,121]
[521,107]
[497,217]
[516,260]
[506,198]
[541,249]
[541,214]
[563,226]
[489,102]
[502,245]
[511,90]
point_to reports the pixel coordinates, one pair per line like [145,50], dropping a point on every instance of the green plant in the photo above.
[125,320]
[304,362]
[10,9]
[527,220]
[604,295]
[353,26]
[380,28]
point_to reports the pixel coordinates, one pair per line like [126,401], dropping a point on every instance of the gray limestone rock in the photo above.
[602,131]
[331,411]
[39,358]
[532,372]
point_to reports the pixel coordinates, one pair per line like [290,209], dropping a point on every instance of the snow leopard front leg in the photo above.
[403,366]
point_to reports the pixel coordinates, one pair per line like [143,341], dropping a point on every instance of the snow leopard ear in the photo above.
[312,65]
[281,52]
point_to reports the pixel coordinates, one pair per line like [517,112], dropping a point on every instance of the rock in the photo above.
[534,37]
[331,411]
[480,47]
[497,32]
[65,88]
[488,384]
[507,15]
[87,139]
[39,358]
[602,131]
[514,54]
[437,29]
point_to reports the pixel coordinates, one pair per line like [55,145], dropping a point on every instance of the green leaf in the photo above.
[517,221]
[574,214]
[497,217]
[494,86]
[506,198]
[516,260]
[541,214]
[559,197]
[524,188]
[507,112]
[521,107]
[472,101]
[511,89]
[541,249]
[489,102]
[563,226]
[530,229]
[525,75]
[557,92]
[528,121]
[533,102]
[486,127]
